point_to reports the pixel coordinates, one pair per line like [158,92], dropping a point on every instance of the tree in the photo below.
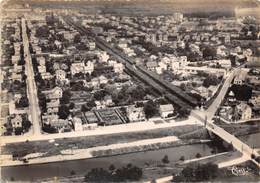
[18,131]
[242,92]
[49,129]
[84,108]
[197,173]
[112,167]
[211,80]
[198,155]
[165,159]
[42,102]
[150,109]
[209,53]
[183,86]
[66,95]
[98,175]
[26,125]
[42,31]
[63,112]
[23,102]
[72,105]
[72,173]
[77,38]
[100,94]
[183,112]
[182,158]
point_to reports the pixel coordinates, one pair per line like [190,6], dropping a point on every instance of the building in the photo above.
[103,56]
[151,65]
[118,68]
[240,78]
[91,45]
[102,80]
[42,69]
[135,113]
[60,75]
[53,106]
[77,122]
[54,121]
[245,111]
[17,121]
[81,67]
[108,100]
[166,110]
[55,93]
[15,59]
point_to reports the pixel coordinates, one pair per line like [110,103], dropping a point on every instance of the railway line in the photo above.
[172,93]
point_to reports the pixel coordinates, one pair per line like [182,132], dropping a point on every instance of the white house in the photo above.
[118,68]
[166,109]
[77,124]
[245,111]
[16,121]
[55,93]
[60,75]
[103,56]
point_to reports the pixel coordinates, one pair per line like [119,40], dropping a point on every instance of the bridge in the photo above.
[206,117]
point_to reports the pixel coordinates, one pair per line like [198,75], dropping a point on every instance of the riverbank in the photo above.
[104,151]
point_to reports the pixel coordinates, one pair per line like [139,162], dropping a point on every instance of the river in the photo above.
[42,171]
[62,169]
[252,140]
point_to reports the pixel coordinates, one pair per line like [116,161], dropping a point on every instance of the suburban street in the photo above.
[31,86]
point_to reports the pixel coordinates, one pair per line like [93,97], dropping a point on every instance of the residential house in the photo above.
[92,45]
[151,65]
[166,110]
[240,78]
[16,76]
[54,121]
[103,56]
[53,106]
[46,75]
[108,100]
[102,80]
[41,61]
[77,122]
[41,69]
[60,75]
[245,111]
[118,68]
[135,113]
[55,93]
[81,67]
[15,59]
[17,121]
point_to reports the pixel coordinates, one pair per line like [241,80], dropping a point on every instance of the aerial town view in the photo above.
[130,91]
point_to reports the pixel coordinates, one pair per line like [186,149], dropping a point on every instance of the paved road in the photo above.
[31,86]
[123,128]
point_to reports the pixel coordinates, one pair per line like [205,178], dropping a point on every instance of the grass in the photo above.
[24,148]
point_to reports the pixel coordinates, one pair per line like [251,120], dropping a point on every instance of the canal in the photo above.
[81,167]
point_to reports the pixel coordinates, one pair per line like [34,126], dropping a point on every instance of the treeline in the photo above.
[113,174]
